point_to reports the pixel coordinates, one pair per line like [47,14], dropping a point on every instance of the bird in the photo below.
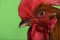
[41,16]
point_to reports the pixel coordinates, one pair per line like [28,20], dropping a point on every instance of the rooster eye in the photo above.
[42,13]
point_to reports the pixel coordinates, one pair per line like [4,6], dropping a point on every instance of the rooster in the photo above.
[42,17]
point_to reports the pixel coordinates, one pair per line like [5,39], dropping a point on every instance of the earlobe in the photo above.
[52,15]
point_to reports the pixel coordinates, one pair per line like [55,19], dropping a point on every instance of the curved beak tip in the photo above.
[23,24]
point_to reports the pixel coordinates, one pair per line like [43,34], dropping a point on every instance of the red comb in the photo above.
[28,6]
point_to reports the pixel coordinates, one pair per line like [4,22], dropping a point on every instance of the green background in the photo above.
[9,21]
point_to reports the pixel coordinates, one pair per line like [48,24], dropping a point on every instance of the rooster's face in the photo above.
[44,13]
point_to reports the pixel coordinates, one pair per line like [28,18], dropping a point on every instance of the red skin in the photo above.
[36,32]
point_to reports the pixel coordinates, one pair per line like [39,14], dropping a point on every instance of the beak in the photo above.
[24,23]
[52,15]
